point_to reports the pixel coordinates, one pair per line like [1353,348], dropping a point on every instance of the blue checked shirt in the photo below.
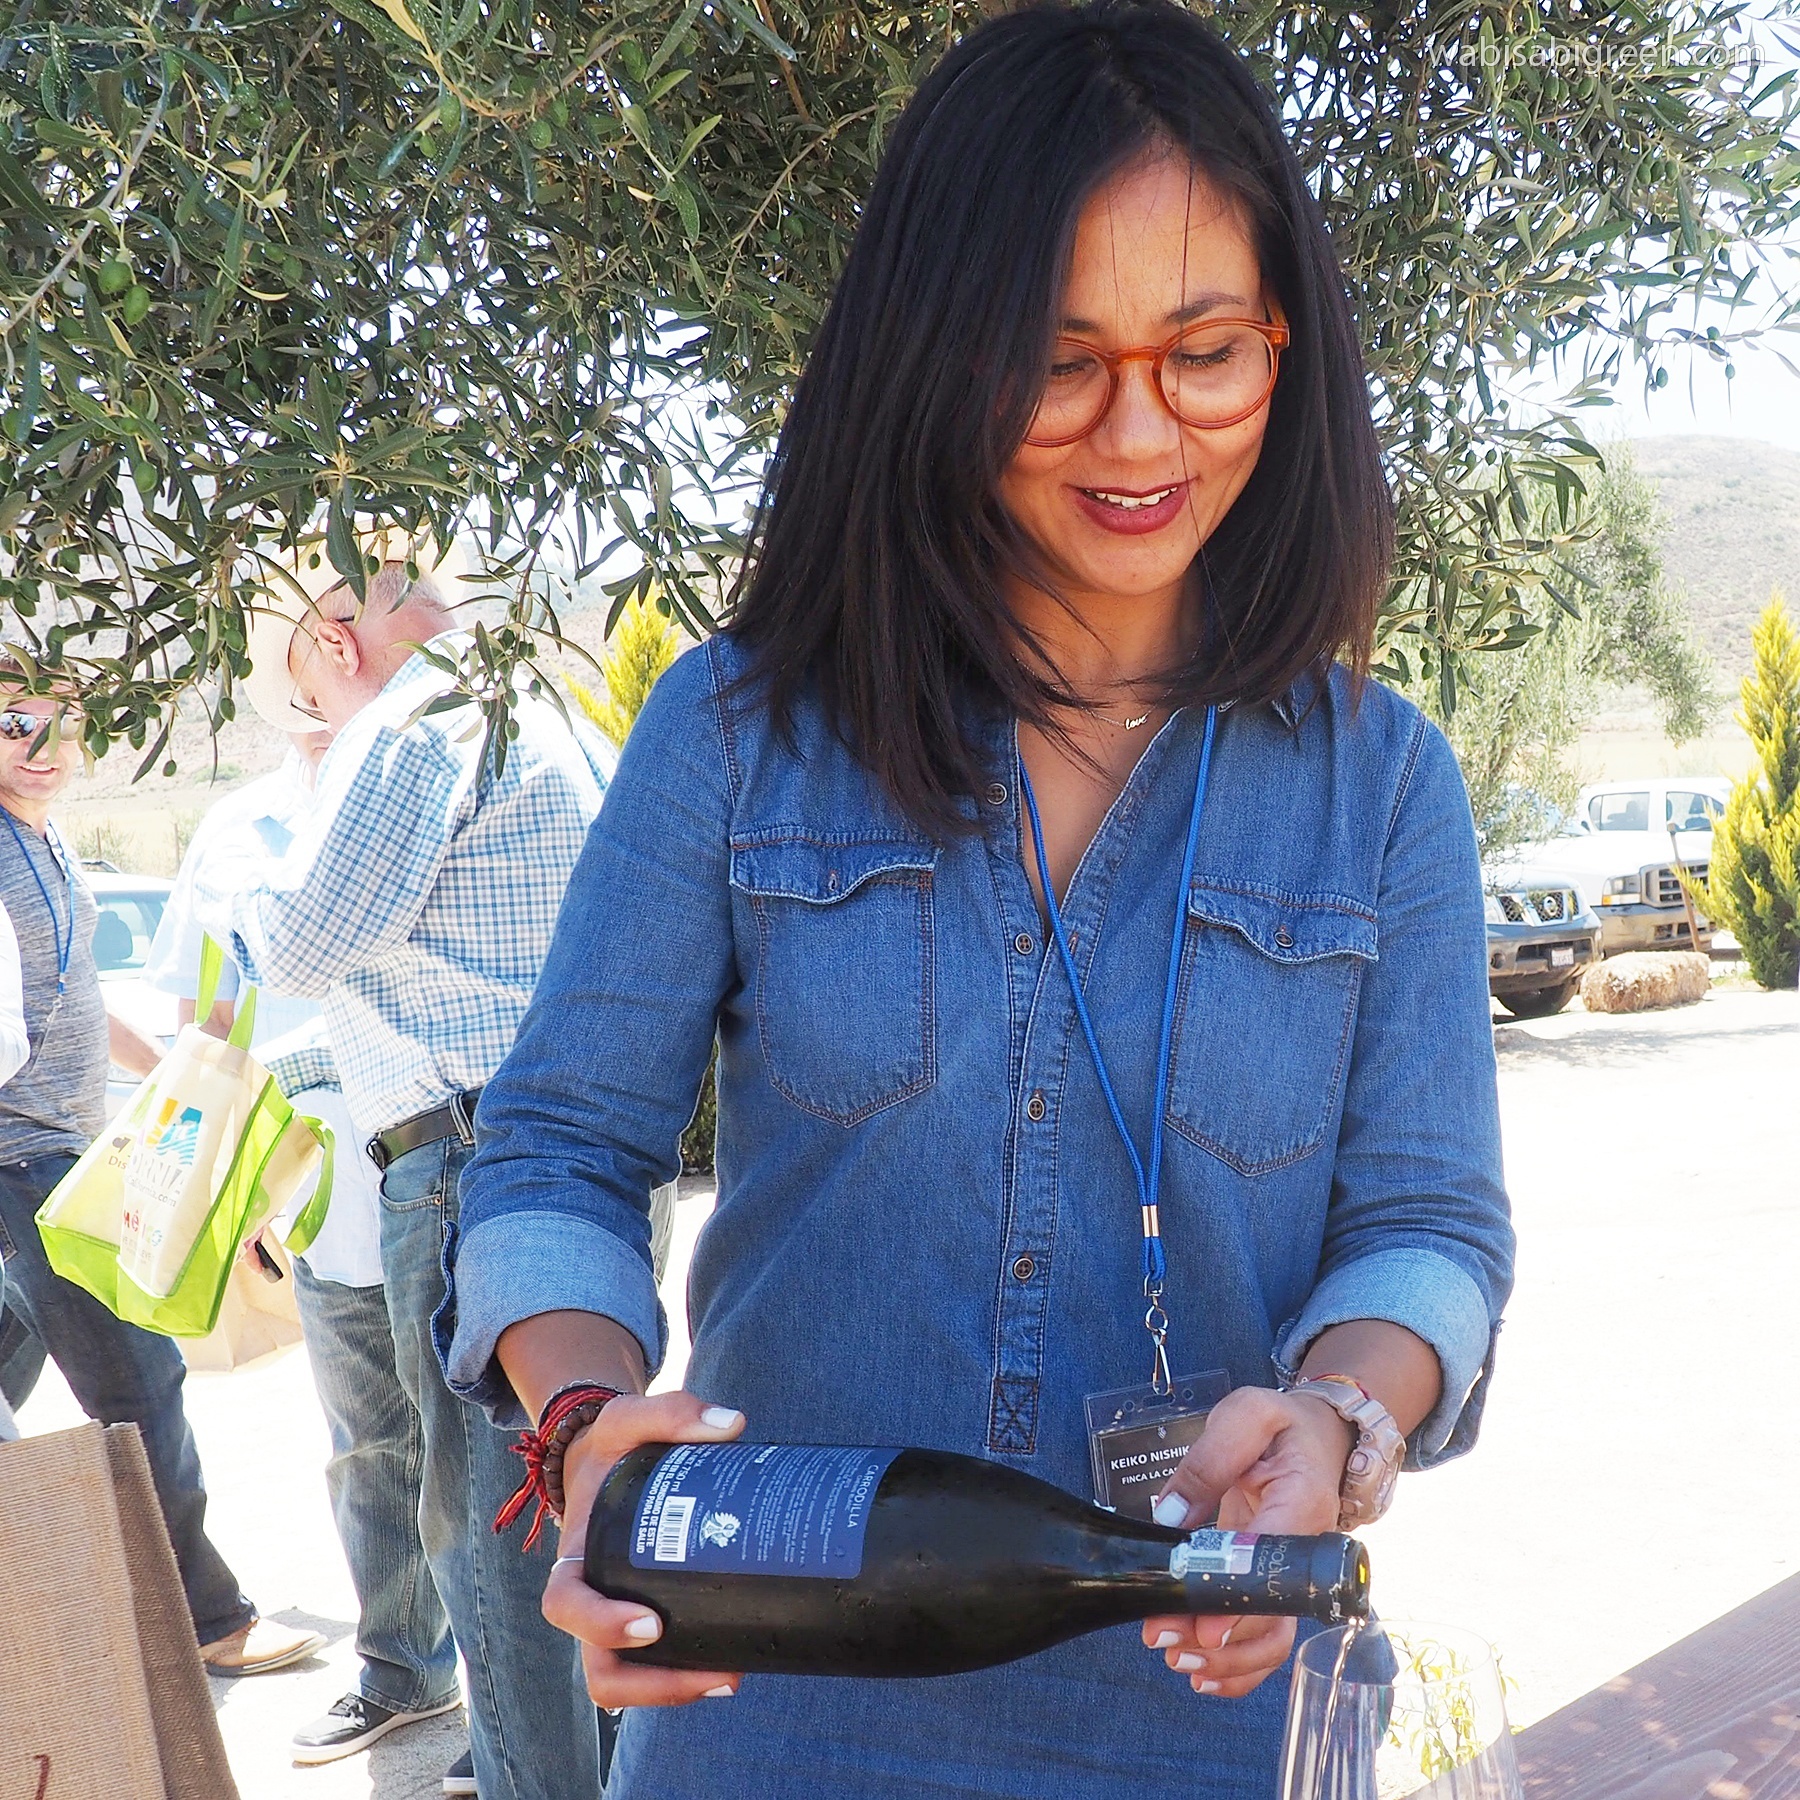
[417,898]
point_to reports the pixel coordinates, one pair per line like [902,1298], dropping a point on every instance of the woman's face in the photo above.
[1155,249]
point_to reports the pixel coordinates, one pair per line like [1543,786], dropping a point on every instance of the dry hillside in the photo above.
[1732,532]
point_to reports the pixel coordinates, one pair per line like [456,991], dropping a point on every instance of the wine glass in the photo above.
[1385,1710]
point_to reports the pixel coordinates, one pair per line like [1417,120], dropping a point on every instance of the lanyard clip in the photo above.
[1156,1322]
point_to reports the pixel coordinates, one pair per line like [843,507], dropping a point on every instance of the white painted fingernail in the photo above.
[645,1628]
[1190,1660]
[1226,1639]
[721,1418]
[719,1693]
[1208,1687]
[1165,1638]
[1171,1509]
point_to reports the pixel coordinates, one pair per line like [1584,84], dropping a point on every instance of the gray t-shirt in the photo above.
[57,1102]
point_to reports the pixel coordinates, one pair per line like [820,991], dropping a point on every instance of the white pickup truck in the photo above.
[1622,850]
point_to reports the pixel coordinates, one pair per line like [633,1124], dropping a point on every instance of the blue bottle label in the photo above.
[758,1509]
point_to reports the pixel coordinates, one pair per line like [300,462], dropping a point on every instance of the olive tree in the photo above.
[546,272]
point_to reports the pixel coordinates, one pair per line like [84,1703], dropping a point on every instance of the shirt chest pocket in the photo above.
[1264,1019]
[844,978]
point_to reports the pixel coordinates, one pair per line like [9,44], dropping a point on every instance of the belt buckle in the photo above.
[376,1151]
[460,1117]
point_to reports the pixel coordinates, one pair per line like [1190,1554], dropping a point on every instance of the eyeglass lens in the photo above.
[18,725]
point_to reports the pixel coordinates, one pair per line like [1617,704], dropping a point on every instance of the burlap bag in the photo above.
[101,1687]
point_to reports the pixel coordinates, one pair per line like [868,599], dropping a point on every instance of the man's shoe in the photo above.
[261,1646]
[354,1724]
[459,1778]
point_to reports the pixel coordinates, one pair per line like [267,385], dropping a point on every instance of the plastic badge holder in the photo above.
[1137,1437]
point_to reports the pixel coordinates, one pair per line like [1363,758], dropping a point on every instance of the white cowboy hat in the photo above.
[293,585]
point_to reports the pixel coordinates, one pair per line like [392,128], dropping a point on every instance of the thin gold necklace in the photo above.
[1124,724]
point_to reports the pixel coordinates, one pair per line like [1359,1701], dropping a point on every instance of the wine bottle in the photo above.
[803,1559]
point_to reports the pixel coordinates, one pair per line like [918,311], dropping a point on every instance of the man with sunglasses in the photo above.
[50,1111]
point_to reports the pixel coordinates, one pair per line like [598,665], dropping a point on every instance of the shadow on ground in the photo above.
[1620,1040]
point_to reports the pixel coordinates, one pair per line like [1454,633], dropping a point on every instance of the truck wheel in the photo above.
[1540,1003]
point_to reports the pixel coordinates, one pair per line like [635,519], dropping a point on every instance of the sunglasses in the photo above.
[20,727]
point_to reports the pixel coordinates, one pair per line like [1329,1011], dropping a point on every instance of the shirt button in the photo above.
[996,793]
[1023,944]
[1035,1108]
[1024,1269]
[1284,937]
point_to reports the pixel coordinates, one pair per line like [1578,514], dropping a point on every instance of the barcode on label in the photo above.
[672,1528]
[1214,1553]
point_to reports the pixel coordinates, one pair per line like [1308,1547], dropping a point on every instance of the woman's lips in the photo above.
[1132,512]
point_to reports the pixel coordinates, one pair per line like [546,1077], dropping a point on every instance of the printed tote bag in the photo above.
[151,1219]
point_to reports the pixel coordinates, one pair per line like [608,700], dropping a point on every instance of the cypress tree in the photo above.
[1753,881]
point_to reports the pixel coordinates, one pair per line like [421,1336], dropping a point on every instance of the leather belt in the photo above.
[455,1118]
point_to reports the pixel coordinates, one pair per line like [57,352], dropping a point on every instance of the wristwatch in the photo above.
[1375,1459]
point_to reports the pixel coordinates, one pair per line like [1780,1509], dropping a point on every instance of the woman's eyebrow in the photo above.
[1194,309]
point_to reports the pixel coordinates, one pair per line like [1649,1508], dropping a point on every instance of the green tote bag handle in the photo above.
[212,967]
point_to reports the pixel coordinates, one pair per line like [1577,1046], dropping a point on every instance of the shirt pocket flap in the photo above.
[1284,929]
[821,871]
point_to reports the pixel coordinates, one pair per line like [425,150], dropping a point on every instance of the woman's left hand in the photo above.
[1266,1462]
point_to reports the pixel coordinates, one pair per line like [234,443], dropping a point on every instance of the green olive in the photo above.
[136,305]
[540,134]
[115,275]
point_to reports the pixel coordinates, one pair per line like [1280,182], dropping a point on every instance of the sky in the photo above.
[1763,402]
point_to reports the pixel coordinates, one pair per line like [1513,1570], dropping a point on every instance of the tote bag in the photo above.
[151,1218]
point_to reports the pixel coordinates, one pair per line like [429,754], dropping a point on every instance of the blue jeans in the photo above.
[377,1462]
[532,1726]
[120,1375]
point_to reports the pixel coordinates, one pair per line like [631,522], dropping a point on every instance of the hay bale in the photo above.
[1642,980]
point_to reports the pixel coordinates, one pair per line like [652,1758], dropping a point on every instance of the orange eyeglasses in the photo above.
[1210,374]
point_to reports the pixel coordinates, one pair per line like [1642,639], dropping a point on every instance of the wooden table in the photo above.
[1714,1717]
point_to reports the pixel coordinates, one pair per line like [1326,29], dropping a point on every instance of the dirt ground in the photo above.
[1635,1478]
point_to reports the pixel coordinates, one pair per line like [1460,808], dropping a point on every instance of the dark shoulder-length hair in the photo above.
[880,546]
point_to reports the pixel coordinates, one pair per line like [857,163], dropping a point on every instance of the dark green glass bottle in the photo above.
[817,1560]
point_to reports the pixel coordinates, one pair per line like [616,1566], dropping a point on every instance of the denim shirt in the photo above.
[927,1229]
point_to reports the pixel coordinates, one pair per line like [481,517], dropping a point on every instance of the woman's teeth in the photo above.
[1130,502]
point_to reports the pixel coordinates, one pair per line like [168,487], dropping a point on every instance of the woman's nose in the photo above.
[1139,422]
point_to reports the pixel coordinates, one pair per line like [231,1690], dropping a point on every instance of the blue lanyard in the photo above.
[64,944]
[1156,1321]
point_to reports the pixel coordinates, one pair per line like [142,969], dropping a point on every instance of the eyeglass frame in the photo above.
[1273,331]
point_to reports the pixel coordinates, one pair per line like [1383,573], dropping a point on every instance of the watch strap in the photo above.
[1376,1457]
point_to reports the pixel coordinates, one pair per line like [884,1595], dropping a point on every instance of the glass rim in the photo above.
[1317,1666]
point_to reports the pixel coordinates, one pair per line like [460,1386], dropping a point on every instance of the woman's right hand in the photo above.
[604,1627]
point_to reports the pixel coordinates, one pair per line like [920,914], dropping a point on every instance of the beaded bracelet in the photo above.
[567,1413]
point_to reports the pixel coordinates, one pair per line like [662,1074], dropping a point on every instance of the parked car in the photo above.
[1624,851]
[129,908]
[1541,940]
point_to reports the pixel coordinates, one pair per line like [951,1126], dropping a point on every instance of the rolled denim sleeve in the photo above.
[1419,1231]
[585,1116]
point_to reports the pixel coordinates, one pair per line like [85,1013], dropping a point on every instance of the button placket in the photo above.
[1024,1288]
[1044,1014]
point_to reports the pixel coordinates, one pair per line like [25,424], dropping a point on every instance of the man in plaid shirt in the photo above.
[415,903]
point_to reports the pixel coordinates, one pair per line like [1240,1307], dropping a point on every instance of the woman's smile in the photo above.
[1133,512]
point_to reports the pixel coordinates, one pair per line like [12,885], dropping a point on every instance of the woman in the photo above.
[1077,506]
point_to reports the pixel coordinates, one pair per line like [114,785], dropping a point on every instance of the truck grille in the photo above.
[1662,886]
[1540,906]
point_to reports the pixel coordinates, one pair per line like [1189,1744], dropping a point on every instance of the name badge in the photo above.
[1137,1437]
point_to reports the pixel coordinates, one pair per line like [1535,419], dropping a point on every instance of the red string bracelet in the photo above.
[568,1411]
